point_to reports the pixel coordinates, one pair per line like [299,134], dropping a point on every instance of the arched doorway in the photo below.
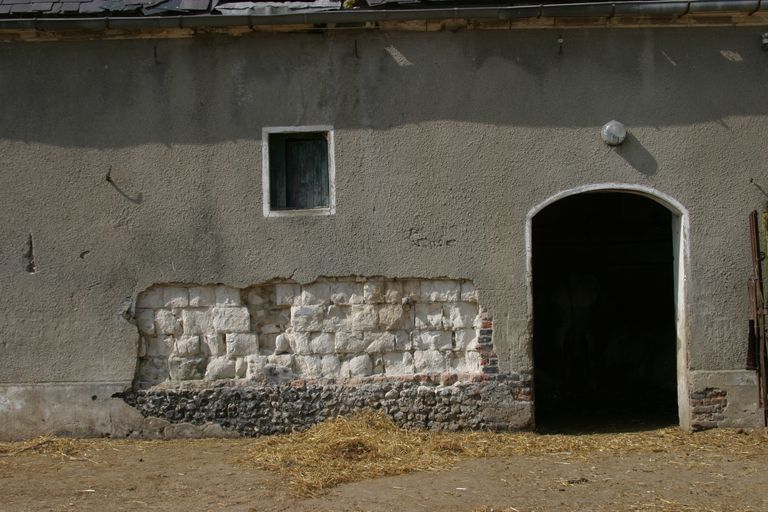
[605,267]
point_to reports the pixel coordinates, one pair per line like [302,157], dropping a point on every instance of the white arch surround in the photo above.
[681,254]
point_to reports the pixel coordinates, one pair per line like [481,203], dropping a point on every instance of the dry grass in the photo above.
[46,445]
[99,450]
[368,445]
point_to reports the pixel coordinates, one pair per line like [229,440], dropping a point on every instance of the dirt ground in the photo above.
[211,475]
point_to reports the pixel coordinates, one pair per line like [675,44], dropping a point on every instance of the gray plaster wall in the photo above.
[438,160]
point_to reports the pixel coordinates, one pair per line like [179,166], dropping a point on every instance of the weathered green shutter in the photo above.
[306,161]
[277,172]
[298,171]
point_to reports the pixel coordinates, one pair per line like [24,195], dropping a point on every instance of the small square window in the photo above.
[298,174]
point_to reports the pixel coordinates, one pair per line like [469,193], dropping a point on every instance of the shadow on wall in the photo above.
[205,91]
[633,152]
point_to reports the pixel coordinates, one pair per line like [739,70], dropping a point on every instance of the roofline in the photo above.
[673,9]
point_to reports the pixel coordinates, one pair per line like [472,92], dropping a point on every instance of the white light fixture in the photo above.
[613,133]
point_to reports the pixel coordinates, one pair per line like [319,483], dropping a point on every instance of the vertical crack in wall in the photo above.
[29,255]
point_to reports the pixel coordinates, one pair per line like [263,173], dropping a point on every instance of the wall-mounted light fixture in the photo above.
[613,133]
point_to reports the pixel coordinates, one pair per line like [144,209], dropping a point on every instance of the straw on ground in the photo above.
[368,445]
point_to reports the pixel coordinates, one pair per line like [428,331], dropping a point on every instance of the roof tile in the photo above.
[12,2]
[20,8]
[194,5]
[155,7]
[92,7]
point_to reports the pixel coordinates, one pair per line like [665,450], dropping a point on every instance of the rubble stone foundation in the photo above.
[447,402]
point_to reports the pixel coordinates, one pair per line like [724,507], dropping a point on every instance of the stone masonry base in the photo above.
[437,402]
[725,398]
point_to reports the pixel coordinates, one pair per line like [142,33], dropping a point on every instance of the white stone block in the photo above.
[309,366]
[429,361]
[364,317]
[403,340]
[153,370]
[213,345]
[350,342]
[412,290]
[307,318]
[316,294]
[282,344]
[378,364]
[283,361]
[145,321]
[267,343]
[241,367]
[331,366]
[232,319]
[150,299]
[271,329]
[272,319]
[160,346]
[255,367]
[432,340]
[312,344]
[457,361]
[337,319]
[468,292]
[379,342]
[440,291]
[314,367]
[459,315]
[428,316]
[299,342]
[258,296]
[287,294]
[202,296]
[196,321]
[373,292]
[227,296]
[175,297]
[239,345]
[393,293]
[220,368]
[357,366]
[166,322]
[464,339]
[322,343]
[187,346]
[398,363]
[472,362]
[346,293]
[186,368]
[394,316]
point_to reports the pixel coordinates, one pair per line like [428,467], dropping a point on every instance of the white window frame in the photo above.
[268,211]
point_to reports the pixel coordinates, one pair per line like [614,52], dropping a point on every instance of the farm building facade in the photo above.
[244,221]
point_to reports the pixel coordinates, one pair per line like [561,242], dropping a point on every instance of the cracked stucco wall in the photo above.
[437,164]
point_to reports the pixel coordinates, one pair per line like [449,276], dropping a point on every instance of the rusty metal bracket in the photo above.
[757,338]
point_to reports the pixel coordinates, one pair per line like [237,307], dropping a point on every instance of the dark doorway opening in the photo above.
[604,342]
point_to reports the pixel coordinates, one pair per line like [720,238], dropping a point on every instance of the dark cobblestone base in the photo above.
[496,402]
